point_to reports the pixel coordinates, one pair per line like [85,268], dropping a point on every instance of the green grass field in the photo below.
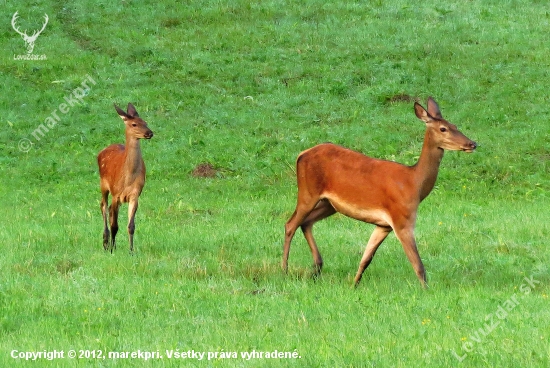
[246,86]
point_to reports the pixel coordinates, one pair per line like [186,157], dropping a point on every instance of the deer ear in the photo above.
[121,113]
[433,109]
[132,111]
[421,113]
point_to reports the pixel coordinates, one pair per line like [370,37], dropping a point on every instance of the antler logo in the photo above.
[29,40]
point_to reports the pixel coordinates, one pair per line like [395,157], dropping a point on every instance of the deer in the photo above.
[387,194]
[29,40]
[122,173]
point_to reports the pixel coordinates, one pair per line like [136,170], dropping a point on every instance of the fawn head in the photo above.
[135,126]
[444,134]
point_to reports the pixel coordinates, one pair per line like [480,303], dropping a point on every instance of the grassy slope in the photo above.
[206,272]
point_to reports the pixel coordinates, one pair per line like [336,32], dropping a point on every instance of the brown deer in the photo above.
[384,193]
[122,173]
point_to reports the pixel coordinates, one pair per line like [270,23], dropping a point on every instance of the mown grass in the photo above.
[245,87]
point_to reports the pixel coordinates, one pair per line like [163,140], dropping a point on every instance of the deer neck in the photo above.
[427,167]
[133,160]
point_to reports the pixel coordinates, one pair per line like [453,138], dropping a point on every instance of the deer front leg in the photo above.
[377,237]
[104,209]
[406,237]
[113,217]
[132,209]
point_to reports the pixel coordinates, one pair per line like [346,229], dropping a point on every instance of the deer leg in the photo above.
[290,229]
[322,210]
[377,237]
[406,237]
[104,208]
[132,209]
[297,218]
[113,217]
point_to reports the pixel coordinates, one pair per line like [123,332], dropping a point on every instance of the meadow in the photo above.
[239,89]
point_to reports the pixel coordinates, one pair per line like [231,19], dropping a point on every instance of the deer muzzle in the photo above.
[470,147]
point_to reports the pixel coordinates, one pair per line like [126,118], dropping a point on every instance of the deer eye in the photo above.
[134,124]
[443,129]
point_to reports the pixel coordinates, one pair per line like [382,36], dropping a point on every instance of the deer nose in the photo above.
[149,134]
[473,145]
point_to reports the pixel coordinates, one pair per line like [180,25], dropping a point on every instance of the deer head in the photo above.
[29,40]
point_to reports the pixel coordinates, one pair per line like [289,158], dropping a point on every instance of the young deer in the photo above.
[387,194]
[122,173]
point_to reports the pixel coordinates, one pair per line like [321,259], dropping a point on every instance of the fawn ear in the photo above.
[121,113]
[132,111]
[421,113]
[433,109]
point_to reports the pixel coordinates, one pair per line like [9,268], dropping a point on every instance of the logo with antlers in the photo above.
[29,40]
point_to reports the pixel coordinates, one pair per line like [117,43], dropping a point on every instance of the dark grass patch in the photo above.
[65,266]
[171,22]
[204,170]
[400,98]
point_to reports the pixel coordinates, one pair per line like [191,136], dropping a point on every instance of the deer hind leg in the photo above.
[290,229]
[104,212]
[303,209]
[377,237]
[305,216]
[132,209]
[406,237]
[113,217]
[322,210]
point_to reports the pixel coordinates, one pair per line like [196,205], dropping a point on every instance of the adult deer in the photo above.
[387,194]
[122,173]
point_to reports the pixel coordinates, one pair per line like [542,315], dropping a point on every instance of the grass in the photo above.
[245,87]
